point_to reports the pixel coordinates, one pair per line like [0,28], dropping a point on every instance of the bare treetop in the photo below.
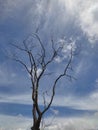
[41,58]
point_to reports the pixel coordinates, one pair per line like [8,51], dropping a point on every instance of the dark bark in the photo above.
[35,128]
[40,61]
[36,124]
[37,116]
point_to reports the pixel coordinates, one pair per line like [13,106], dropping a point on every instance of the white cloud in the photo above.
[22,123]
[10,7]
[96,83]
[7,76]
[55,112]
[82,67]
[83,13]
[39,71]
[58,59]
[89,19]
[89,102]
[21,98]
[14,123]
[85,16]
[66,45]
[56,15]
[83,123]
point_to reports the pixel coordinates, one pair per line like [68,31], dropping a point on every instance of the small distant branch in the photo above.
[47,74]
[44,99]
[18,47]
[22,63]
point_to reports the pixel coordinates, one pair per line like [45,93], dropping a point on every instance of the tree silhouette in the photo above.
[40,57]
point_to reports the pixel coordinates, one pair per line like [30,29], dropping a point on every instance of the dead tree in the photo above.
[38,58]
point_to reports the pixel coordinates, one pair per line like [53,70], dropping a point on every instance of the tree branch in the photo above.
[22,63]
[55,83]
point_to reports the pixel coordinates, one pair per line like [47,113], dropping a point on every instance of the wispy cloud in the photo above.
[15,123]
[89,19]
[89,102]
[82,13]
[85,14]
[55,16]
[7,76]
[21,123]
[58,18]
[20,99]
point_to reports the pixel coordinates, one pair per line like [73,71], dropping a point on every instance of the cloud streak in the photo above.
[83,15]
[60,18]
[21,123]
[55,16]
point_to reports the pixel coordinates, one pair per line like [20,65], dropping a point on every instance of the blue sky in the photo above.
[76,20]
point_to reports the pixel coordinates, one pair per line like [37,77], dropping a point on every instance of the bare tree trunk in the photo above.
[36,124]
[36,116]
[35,127]
[40,59]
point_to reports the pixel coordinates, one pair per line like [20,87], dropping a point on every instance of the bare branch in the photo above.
[22,63]
[47,74]
[56,81]
[40,59]
[40,43]
[18,47]
[43,49]
[70,77]
[44,99]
